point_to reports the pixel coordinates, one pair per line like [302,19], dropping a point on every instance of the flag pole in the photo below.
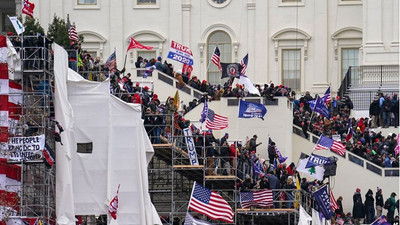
[209,63]
[125,59]
[194,185]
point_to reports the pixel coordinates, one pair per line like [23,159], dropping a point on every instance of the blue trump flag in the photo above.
[317,160]
[251,110]
[322,197]
[320,107]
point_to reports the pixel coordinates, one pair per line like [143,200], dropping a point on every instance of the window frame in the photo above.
[349,2]
[77,2]
[137,5]
[299,50]
[291,3]
[4,20]
[87,146]
[87,6]
[343,74]
[219,5]
[210,52]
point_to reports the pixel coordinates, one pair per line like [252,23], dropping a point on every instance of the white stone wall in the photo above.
[329,26]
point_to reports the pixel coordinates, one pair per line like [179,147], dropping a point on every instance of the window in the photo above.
[291,68]
[147,55]
[86,148]
[6,24]
[87,2]
[291,3]
[224,43]
[146,2]
[219,3]
[349,58]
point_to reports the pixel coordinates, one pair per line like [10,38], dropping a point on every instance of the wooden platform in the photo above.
[265,210]
[188,167]
[220,177]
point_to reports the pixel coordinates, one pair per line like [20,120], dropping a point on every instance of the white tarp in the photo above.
[304,218]
[121,152]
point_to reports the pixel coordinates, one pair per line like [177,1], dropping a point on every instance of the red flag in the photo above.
[187,69]
[135,44]
[112,209]
[28,8]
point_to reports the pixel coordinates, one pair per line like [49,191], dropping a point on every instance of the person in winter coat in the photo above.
[357,195]
[392,208]
[374,111]
[378,202]
[358,211]
[386,106]
[369,207]
[289,194]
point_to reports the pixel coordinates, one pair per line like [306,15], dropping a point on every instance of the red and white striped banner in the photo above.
[10,112]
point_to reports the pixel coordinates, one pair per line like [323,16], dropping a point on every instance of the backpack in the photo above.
[388,204]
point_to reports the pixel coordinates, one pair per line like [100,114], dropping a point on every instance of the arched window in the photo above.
[224,43]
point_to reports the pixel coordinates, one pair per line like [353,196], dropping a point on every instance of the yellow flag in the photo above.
[177,101]
[297,200]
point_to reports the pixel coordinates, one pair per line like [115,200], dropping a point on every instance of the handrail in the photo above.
[374,76]
[381,171]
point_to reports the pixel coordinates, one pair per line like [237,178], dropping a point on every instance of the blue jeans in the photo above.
[156,134]
[386,118]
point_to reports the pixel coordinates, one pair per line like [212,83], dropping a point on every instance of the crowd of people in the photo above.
[163,120]
[221,154]
[358,135]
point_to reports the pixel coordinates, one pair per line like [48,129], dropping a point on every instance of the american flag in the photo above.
[73,35]
[350,132]
[215,121]
[327,96]
[210,203]
[111,62]
[326,143]
[244,63]
[189,220]
[262,198]
[334,204]
[215,58]
[380,221]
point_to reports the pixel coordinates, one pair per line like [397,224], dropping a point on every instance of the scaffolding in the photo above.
[37,187]
[171,178]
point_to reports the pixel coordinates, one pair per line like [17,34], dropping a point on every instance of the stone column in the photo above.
[186,29]
[320,47]
[251,20]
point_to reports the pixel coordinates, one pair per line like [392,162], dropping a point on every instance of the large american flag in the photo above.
[326,143]
[262,198]
[210,203]
[73,35]
[334,204]
[216,59]
[244,63]
[215,121]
